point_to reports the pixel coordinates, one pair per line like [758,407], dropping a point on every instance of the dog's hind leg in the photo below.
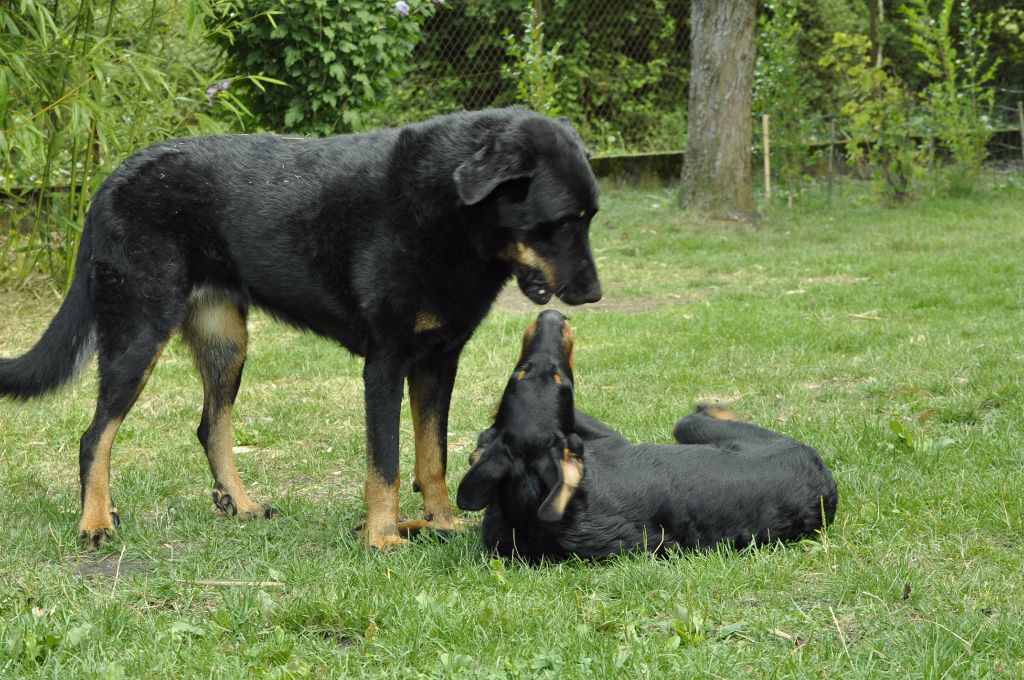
[430,391]
[720,427]
[215,331]
[125,363]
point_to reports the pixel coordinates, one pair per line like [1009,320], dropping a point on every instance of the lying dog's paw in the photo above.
[716,411]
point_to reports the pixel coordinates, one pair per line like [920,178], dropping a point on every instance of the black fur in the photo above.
[726,482]
[355,237]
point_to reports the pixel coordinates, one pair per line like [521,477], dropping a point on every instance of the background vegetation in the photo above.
[83,83]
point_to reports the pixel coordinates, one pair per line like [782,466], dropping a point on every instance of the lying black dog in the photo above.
[557,482]
[393,243]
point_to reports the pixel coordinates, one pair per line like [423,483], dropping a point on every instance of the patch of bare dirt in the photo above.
[108,566]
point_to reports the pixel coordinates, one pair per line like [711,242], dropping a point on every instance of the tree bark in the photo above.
[875,10]
[716,175]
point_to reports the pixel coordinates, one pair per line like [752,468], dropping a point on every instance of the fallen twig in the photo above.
[230,582]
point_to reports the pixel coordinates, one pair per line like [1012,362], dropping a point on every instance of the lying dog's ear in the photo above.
[483,440]
[476,490]
[570,473]
[494,164]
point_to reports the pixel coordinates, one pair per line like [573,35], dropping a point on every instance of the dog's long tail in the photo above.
[67,344]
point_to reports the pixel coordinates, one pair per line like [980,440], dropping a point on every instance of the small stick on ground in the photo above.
[231,583]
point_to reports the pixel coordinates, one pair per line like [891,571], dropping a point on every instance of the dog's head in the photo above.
[534,171]
[530,458]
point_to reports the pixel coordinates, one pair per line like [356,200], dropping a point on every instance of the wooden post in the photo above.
[831,154]
[1020,117]
[767,159]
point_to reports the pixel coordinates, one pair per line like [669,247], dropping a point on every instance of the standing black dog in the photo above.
[393,243]
[557,482]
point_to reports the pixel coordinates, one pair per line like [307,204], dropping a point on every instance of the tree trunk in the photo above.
[716,175]
[875,10]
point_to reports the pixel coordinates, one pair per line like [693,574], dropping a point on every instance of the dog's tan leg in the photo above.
[99,516]
[215,332]
[430,467]
[381,530]
[382,380]
[430,388]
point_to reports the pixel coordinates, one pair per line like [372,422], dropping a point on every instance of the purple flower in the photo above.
[402,7]
[219,86]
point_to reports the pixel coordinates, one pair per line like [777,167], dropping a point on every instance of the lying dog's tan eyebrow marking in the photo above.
[557,378]
[528,334]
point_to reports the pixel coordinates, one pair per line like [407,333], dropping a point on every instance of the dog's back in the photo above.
[692,496]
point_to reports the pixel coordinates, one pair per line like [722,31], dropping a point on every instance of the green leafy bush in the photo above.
[959,96]
[878,116]
[335,58]
[533,68]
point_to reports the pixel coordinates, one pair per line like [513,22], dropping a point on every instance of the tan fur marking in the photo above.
[430,477]
[522,254]
[558,379]
[528,334]
[720,413]
[572,474]
[569,344]
[381,528]
[96,505]
[214,318]
[425,321]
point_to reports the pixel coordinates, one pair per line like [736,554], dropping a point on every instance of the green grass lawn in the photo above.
[890,339]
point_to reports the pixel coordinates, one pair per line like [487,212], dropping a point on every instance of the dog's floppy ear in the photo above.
[570,474]
[483,440]
[493,164]
[476,490]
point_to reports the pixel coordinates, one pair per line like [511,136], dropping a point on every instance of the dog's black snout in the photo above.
[583,294]
[593,292]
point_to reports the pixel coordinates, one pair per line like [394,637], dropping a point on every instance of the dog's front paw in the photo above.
[95,533]
[379,540]
[227,504]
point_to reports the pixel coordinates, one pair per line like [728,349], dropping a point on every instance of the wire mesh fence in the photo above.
[621,71]
[618,66]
